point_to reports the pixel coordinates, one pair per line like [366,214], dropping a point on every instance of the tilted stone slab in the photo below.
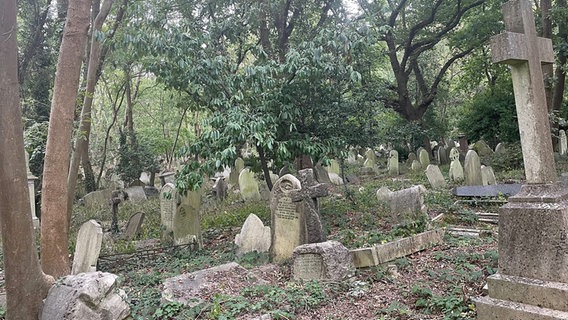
[506,190]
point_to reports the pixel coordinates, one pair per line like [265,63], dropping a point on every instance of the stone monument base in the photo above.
[532,282]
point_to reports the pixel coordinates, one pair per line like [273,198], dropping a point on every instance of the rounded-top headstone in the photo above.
[424,158]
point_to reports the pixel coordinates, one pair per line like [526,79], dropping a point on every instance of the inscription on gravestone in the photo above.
[286,209]
[309,266]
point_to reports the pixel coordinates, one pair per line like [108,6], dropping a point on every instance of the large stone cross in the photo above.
[308,195]
[520,48]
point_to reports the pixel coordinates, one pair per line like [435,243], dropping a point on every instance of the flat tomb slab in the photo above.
[496,190]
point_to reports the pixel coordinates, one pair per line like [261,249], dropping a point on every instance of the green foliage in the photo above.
[235,215]
[35,139]
[134,158]
[510,160]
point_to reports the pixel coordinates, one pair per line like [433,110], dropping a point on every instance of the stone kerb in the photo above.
[287,224]
[88,247]
[328,260]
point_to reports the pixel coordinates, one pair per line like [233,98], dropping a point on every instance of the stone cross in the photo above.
[520,48]
[308,195]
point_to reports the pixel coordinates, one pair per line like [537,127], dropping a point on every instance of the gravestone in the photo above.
[97,198]
[483,149]
[322,174]
[450,144]
[563,142]
[287,224]
[487,175]
[236,171]
[87,248]
[333,167]
[328,260]
[284,171]
[463,144]
[186,220]
[406,204]
[134,226]
[254,236]
[443,155]
[416,166]
[410,159]
[136,194]
[532,279]
[370,159]
[393,163]
[500,149]
[169,200]
[435,177]
[248,186]
[167,177]
[472,169]
[456,169]
[335,179]
[424,158]
[220,188]
[31,191]
[308,196]
[86,296]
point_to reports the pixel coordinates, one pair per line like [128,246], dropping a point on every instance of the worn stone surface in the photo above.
[136,193]
[472,169]
[406,246]
[308,196]
[134,226]
[86,296]
[383,194]
[435,177]
[403,204]
[186,221]
[248,186]
[563,142]
[487,176]
[169,201]
[287,224]
[487,191]
[500,149]
[424,158]
[236,171]
[495,309]
[220,188]
[328,260]
[167,177]
[254,236]
[335,179]
[443,157]
[416,166]
[322,174]
[192,289]
[393,163]
[364,257]
[456,170]
[88,247]
[333,167]
[97,198]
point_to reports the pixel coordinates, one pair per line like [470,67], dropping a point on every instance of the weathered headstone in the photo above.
[443,155]
[333,167]
[456,169]
[487,175]
[92,296]
[472,169]
[322,174]
[483,149]
[410,159]
[435,177]
[563,142]
[167,177]
[532,279]
[308,197]
[403,204]
[97,198]
[87,248]
[383,194]
[335,179]
[236,171]
[393,163]
[254,236]
[248,186]
[370,159]
[186,221]
[328,260]
[134,226]
[288,225]
[169,200]
[220,188]
[424,158]
[500,149]
[136,194]
[416,166]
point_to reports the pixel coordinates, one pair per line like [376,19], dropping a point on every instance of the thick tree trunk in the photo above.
[547,70]
[26,285]
[82,138]
[54,226]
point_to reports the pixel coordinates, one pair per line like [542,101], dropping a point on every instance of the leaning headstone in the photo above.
[248,186]
[322,174]
[87,248]
[456,170]
[487,175]
[236,171]
[254,236]
[220,188]
[328,260]
[136,194]
[424,158]
[134,226]
[563,147]
[532,279]
[92,296]
[500,149]
[393,163]
[472,169]
[435,177]
[333,167]
[411,157]
[287,225]
[483,149]
[97,198]
[308,196]
[169,200]
[187,222]
[370,155]
[335,179]
[405,204]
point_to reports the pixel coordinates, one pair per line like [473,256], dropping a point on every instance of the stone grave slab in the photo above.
[254,236]
[563,142]
[506,190]
[134,226]
[435,177]
[472,169]
[136,194]
[187,220]
[248,186]
[393,163]
[87,247]
[236,171]
[328,260]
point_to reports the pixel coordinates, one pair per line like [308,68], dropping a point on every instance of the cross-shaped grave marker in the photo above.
[520,48]
[309,194]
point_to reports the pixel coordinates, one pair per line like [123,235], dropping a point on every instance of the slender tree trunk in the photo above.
[26,285]
[54,224]
[547,70]
[264,165]
[82,137]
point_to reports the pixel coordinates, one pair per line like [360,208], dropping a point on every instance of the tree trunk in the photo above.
[264,166]
[54,225]
[82,138]
[26,285]
[547,70]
